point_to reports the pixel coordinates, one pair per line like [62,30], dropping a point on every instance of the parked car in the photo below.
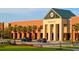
[43,40]
[29,40]
[13,42]
[25,39]
[40,40]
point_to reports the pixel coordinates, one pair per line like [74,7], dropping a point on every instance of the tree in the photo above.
[15,30]
[39,28]
[5,33]
[24,29]
[19,29]
[1,31]
[29,29]
[10,30]
[34,28]
[76,27]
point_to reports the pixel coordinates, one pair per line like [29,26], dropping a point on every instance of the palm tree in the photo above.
[76,27]
[19,29]
[15,30]
[34,28]
[10,30]
[39,29]
[29,29]
[24,29]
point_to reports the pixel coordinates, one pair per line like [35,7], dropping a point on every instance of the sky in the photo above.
[24,14]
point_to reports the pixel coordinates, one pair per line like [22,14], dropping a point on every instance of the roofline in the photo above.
[61,9]
[56,13]
[47,13]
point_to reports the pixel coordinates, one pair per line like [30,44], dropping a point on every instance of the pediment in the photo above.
[51,14]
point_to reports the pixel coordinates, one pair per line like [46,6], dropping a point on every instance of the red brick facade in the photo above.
[37,23]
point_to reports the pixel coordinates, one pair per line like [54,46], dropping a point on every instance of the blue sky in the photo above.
[20,14]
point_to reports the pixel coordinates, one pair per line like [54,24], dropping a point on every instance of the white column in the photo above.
[61,31]
[44,34]
[49,32]
[13,35]
[55,33]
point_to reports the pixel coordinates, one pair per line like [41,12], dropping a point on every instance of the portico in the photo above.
[54,28]
[56,25]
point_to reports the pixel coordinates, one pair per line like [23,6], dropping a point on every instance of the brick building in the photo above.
[57,26]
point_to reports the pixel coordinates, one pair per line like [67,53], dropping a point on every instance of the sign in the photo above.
[51,21]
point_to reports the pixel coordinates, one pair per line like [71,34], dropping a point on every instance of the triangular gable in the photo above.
[51,14]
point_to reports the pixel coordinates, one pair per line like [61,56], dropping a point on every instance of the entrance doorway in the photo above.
[15,35]
[11,35]
[20,35]
[35,35]
[24,34]
[41,35]
[47,35]
[30,35]
[57,30]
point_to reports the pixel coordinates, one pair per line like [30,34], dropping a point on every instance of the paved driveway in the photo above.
[48,44]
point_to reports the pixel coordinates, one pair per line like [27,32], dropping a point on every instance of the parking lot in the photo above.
[48,44]
[35,43]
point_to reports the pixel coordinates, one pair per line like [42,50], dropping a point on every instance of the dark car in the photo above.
[25,39]
[43,40]
[29,40]
[13,42]
[40,40]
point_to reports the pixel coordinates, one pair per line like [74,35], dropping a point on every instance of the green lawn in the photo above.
[30,48]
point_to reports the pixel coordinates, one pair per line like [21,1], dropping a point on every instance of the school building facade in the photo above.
[57,26]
